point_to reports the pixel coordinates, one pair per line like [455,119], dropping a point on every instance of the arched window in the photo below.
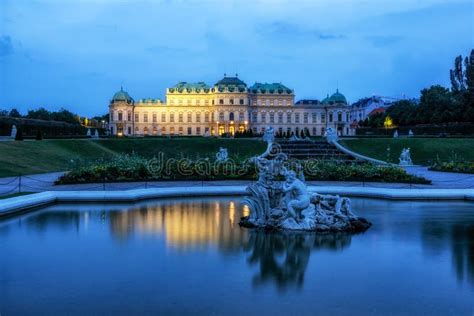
[231,116]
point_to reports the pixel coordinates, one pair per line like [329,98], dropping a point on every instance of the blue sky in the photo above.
[76,54]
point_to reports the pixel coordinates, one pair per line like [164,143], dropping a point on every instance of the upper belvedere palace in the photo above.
[227,107]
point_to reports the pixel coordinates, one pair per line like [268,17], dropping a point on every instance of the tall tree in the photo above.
[457,76]
[14,113]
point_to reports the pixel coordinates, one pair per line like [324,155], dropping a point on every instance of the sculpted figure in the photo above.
[296,195]
[222,154]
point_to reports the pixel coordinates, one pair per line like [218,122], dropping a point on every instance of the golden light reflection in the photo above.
[183,224]
[246,211]
[231,213]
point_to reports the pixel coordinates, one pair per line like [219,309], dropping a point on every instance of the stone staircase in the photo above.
[308,149]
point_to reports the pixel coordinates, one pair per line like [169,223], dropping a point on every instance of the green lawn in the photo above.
[423,150]
[28,157]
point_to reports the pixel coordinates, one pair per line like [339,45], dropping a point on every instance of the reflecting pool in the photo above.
[189,256]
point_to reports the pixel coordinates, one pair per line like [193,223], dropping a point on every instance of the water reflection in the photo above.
[283,257]
[441,229]
[192,224]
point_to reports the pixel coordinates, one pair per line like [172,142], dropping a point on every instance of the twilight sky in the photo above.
[76,53]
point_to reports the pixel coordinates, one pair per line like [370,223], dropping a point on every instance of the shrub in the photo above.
[39,135]
[136,168]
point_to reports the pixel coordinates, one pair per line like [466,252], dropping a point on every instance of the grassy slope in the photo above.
[30,157]
[423,150]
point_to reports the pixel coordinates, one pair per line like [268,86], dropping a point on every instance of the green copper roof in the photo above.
[231,81]
[122,96]
[338,98]
[270,88]
[325,100]
[184,86]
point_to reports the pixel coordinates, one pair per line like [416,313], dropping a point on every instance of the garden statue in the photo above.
[269,137]
[96,134]
[331,135]
[395,134]
[88,132]
[405,158]
[287,205]
[13,133]
[410,133]
[222,154]
[207,134]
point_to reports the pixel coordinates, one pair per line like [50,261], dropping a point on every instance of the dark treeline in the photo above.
[437,105]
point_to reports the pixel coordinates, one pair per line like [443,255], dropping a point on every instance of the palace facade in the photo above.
[227,107]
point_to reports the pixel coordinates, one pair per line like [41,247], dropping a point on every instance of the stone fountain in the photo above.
[277,204]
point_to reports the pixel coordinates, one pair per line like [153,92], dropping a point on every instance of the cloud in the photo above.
[6,46]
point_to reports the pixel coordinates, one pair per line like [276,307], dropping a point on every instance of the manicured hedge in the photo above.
[136,168]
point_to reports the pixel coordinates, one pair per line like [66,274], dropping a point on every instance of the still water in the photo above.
[189,256]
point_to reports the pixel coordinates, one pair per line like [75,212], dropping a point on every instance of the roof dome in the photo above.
[122,96]
[325,100]
[338,98]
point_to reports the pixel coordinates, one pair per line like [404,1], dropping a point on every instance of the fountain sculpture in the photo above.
[287,205]
[222,154]
[405,158]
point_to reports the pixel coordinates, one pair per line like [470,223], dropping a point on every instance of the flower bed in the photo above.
[454,166]
[136,168]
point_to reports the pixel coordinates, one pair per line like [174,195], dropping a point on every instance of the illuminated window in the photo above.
[172,130]
[163,130]
[272,102]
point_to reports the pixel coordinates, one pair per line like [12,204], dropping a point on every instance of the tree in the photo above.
[14,113]
[39,135]
[19,135]
[434,101]
[457,76]
[40,114]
